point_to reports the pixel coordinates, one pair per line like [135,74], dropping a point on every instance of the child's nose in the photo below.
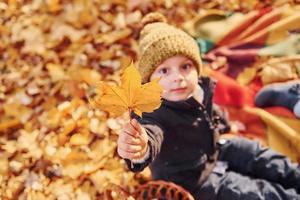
[178,77]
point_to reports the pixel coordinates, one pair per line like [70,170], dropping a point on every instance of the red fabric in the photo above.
[229,93]
[253,123]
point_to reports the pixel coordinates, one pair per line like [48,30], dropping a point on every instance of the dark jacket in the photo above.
[182,139]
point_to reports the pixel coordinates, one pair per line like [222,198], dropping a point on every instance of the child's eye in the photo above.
[163,71]
[186,66]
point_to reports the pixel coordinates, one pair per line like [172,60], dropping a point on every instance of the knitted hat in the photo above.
[160,41]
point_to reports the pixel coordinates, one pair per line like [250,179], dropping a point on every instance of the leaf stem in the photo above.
[129,112]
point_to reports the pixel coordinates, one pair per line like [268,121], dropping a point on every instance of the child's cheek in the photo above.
[162,83]
[164,94]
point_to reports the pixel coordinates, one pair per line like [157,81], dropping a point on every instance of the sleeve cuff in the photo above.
[143,159]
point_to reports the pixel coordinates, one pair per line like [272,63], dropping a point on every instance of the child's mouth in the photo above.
[178,90]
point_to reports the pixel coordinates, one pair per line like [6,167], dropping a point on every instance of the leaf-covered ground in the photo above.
[53,144]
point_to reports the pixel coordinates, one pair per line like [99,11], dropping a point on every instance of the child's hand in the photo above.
[133,141]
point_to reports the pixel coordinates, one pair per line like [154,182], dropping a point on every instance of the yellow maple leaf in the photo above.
[130,96]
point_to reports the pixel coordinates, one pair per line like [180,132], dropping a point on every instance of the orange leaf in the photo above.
[131,95]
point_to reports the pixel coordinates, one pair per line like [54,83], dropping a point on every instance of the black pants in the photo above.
[253,173]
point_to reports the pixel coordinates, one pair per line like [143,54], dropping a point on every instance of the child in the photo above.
[179,140]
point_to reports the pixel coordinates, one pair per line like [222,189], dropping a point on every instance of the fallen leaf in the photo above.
[9,123]
[56,72]
[131,96]
[54,5]
[114,36]
[79,139]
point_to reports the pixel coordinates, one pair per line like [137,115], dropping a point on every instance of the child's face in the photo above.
[178,77]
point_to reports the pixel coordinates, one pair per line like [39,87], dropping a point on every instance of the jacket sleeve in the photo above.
[155,139]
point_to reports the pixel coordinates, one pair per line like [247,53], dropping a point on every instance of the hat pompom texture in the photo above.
[153,17]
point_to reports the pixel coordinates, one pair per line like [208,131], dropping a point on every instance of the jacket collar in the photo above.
[208,86]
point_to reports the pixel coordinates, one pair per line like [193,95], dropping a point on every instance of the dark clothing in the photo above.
[182,144]
[253,173]
[174,126]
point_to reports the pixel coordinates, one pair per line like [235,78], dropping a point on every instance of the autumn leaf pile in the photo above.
[53,143]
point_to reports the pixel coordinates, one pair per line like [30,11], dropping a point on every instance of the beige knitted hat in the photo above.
[160,41]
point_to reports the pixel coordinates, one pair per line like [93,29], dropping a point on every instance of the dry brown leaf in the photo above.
[69,126]
[8,123]
[60,30]
[56,72]
[80,139]
[54,5]
[114,36]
